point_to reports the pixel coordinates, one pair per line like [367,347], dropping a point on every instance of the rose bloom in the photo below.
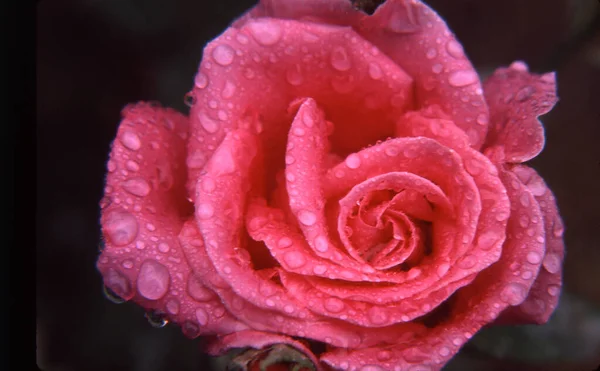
[342,178]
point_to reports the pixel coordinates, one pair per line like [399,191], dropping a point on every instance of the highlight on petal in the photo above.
[249,76]
[516,99]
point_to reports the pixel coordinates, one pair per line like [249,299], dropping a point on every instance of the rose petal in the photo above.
[257,340]
[250,75]
[516,99]
[143,260]
[544,295]
[476,305]
[415,38]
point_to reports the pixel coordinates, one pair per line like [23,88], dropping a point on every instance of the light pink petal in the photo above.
[415,38]
[142,214]
[257,340]
[517,98]
[249,76]
[545,292]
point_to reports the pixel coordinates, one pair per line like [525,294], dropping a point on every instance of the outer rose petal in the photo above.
[258,340]
[516,99]
[142,215]
[544,294]
[417,39]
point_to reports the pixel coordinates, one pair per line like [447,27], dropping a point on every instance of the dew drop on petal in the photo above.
[319,269]
[334,305]
[321,244]
[307,218]
[264,32]
[207,123]
[137,187]
[375,71]
[163,247]
[201,81]
[130,140]
[454,49]
[462,78]
[197,291]
[377,316]
[553,290]
[173,307]
[513,293]
[121,227]
[534,257]
[431,53]
[552,263]
[294,259]
[153,280]
[223,54]
[284,242]
[205,211]
[201,317]
[340,60]
[353,161]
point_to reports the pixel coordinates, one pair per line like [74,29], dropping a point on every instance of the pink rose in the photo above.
[341,177]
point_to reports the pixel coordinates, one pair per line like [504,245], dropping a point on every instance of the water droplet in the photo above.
[462,78]
[537,186]
[156,318]
[431,53]
[201,317]
[197,291]
[294,76]
[121,227]
[552,263]
[284,242]
[223,54]
[127,264]
[294,259]
[131,141]
[110,295]
[228,89]
[132,165]
[151,227]
[334,305]
[173,306]
[487,240]
[340,60]
[467,262]
[534,257]
[444,351]
[513,293]
[205,211]
[353,161]
[308,120]
[207,123]
[270,303]
[375,71]
[553,290]
[524,93]
[454,49]
[265,32]
[442,269]
[299,131]
[391,151]
[164,247]
[321,244]
[502,216]
[153,280]
[377,316]
[519,66]
[137,187]
[208,185]
[111,166]
[307,218]
[319,269]
[409,152]
[413,273]
[201,80]
[437,68]
[482,119]
[189,99]
[118,284]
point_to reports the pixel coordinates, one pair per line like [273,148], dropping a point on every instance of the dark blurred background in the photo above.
[95,56]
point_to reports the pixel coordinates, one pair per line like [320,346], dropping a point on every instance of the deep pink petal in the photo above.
[249,76]
[143,210]
[415,38]
[517,98]
[544,295]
